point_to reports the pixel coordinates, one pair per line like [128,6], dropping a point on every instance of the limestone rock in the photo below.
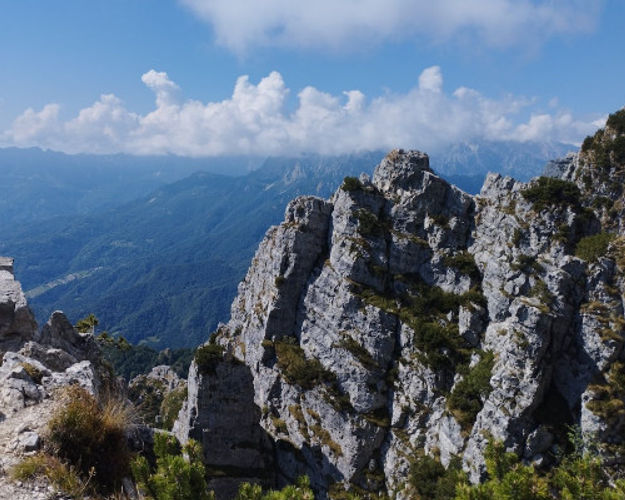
[361,317]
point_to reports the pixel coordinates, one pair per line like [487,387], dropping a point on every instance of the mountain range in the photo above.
[160,261]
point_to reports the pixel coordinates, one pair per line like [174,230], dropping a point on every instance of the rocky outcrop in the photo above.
[404,317]
[34,366]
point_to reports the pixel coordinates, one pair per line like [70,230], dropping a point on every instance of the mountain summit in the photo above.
[404,318]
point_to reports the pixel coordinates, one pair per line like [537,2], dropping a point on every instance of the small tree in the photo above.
[88,324]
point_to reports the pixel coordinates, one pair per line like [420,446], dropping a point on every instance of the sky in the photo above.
[212,77]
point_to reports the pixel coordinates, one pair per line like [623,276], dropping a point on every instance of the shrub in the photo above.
[60,475]
[92,437]
[616,121]
[591,248]
[547,191]
[307,373]
[527,264]
[468,396]
[174,477]
[441,220]
[368,223]
[207,357]
[33,372]
[463,262]
[429,479]
[171,405]
[351,184]
[588,143]
[298,491]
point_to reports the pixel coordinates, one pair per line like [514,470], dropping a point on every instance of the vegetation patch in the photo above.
[550,192]
[463,262]
[527,264]
[325,439]
[174,476]
[170,407]
[62,476]
[297,369]
[207,357]
[358,351]
[368,223]
[591,248]
[609,395]
[468,396]
[33,372]
[425,310]
[351,184]
[91,437]
[428,478]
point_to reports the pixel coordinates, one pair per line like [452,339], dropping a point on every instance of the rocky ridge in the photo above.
[404,317]
[36,363]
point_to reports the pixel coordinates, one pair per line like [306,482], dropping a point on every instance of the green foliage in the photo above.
[616,121]
[91,437]
[207,357]
[579,476]
[87,324]
[463,262]
[591,248]
[297,369]
[351,184]
[588,143]
[175,477]
[425,308]
[368,223]
[358,351]
[468,396]
[429,480]
[608,400]
[129,360]
[547,192]
[298,491]
[147,395]
[171,405]
[527,264]
[59,474]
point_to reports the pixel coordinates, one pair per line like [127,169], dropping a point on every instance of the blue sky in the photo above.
[527,70]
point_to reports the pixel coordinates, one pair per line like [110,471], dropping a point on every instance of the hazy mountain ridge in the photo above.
[174,256]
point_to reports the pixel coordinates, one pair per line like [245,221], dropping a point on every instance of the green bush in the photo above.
[463,262]
[299,491]
[174,477]
[430,480]
[207,357]
[92,437]
[59,474]
[616,121]
[171,405]
[547,192]
[368,223]
[297,369]
[591,248]
[466,399]
[351,184]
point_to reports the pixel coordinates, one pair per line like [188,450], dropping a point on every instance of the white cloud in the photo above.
[255,120]
[339,24]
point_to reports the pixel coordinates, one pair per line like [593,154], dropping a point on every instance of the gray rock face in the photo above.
[17,323]
[361,318]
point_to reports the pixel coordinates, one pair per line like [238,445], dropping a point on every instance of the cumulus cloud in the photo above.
[339,24]
[257,119]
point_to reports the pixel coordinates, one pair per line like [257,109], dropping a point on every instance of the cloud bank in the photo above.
[256,120]
[242,25]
